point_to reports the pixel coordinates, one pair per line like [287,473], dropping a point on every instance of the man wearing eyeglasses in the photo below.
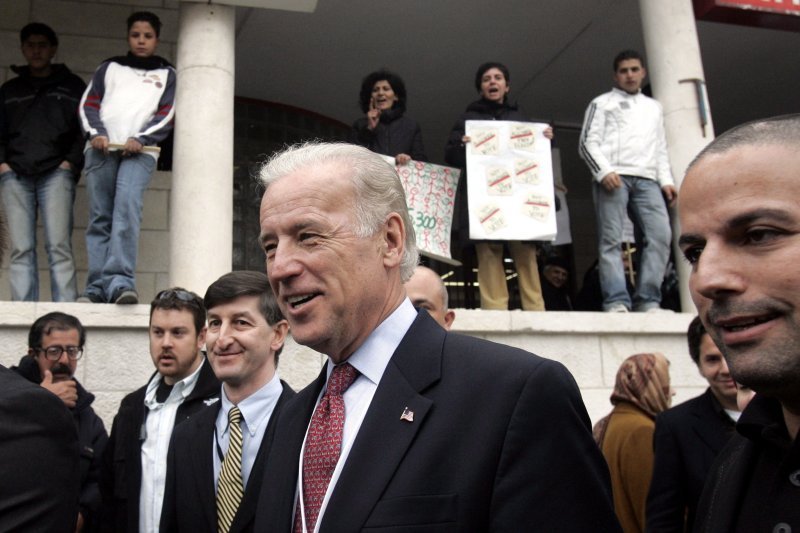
[55,343]
[135,463]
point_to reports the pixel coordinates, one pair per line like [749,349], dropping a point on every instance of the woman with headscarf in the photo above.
[385,129]
[625,436]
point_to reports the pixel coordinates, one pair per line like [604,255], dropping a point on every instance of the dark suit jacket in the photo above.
[746,490]
[121,473]
[500,441]
[92,438]
[190,501]
[39,474]
[687,439]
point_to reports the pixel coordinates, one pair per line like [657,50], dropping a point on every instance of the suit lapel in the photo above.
[707,422]
[384,437]
[279,482]
[247,507]
[203,463]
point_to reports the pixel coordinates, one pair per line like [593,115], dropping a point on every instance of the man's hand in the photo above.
[548,132]
[100,143]
[402,159]
[670,195]
[79,525]
[132,147]
[66,390]
[66,165]
[611,181]
[4,168]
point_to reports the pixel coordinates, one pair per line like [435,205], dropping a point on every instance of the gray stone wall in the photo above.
[591,345]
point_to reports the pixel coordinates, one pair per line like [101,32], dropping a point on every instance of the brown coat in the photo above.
[628,449]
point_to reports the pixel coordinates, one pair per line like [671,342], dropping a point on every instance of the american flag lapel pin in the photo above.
[408,415]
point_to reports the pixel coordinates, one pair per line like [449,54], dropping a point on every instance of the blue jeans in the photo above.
[643,201]
[116,188]
[53,193]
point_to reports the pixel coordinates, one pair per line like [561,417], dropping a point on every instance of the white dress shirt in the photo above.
[370,359]
[256,411]
[157,432]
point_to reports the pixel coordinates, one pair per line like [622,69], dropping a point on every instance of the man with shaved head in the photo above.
[740,222]
[426,290]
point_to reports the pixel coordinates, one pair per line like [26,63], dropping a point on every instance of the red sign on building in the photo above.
[777,14]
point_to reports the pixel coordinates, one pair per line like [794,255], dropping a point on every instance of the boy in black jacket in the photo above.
[40,162]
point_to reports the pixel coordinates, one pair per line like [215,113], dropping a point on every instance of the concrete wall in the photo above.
[590,345]
[89,32]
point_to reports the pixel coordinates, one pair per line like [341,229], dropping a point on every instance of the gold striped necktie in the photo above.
[230,488]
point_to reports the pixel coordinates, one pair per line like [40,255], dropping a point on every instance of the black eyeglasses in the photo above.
[54,352]
[180,294]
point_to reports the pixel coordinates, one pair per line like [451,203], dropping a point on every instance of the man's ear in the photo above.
[201,338]
[280,330]
[394,240]
[449,317]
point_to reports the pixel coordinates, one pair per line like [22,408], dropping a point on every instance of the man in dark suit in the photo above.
[413,427]
[55,344]
[688,438]
[246,331]
[740,223]
[135,460]
[38,459]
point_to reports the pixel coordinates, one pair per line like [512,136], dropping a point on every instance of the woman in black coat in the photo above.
[385,129]
[492,83]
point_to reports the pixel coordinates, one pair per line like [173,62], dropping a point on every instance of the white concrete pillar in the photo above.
[201,199]
[675,68]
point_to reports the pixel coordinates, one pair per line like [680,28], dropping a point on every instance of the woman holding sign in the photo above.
[385,129]
[492,83]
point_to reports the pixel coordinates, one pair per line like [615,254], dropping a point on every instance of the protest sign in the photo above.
[510,181]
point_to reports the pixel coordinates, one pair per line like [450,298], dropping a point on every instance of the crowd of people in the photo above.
[53,128]
[408,426]
[382,439]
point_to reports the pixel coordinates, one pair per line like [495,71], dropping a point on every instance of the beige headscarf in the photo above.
[643,381]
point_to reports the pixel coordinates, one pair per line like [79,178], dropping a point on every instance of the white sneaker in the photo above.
[617,307]
[658,310]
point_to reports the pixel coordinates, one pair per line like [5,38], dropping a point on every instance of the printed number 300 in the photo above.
[424,221]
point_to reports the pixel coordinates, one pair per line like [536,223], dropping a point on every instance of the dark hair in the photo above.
[37,28]
[54,321]
[372,78]
[695,337]
[783,130]
[556,260]
[180,299]
[232,285]
[626,55]
[490,65]
[145,16]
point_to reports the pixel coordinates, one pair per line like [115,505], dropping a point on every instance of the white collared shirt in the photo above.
[160,419]
[256,412]
[370,359]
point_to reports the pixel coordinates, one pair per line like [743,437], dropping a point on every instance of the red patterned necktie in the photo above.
[323,445]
